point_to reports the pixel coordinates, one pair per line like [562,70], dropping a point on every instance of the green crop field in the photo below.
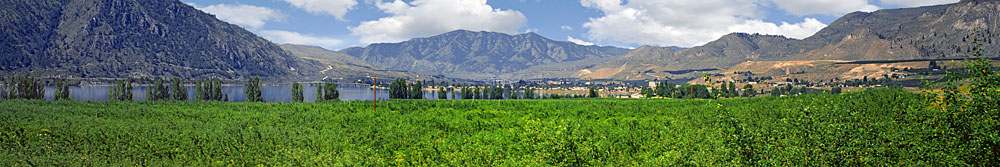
[869,128]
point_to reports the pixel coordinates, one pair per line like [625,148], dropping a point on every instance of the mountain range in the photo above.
[133,39]
[942,31]
[168,38]
[150,38]
[468,54]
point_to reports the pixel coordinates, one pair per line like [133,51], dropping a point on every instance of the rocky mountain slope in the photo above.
[942,31]
[335,65]
[133,39]
[468,54]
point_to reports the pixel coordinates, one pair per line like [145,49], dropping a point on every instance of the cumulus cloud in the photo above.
[578,41]
[916,3]
[248,16]
[825,7]
[806,28]
[566,27]
[684,23]
[432,17]
[278,36]
[335,8]
[666,22]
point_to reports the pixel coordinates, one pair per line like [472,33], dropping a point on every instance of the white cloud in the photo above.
[666,22]
[825,7]
[806,28]
[247,16]
[578,41]
[916,3]
[566,27]
[282,37]
[683,23]
[335,8]
[432,17]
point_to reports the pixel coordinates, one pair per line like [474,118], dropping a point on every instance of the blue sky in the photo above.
[338,24]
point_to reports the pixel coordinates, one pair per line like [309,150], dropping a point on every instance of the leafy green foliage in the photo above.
[253,90]
[158,91]
[417,92]
[665,89]
[748,91]
[120,91]
[62,90]
[297,95]
[529,93]
[789,90]
[3,90]
[179,91]
[477,94]
[399,90]
[647,92]
[211,90]
[969,108]
[466,93]
[853,129]
[442,93]
[330,91]
[25,87]
[732,91]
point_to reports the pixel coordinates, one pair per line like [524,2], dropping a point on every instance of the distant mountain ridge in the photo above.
[465,53]
[167,38]
[132,39]
[337,65]
[941,31]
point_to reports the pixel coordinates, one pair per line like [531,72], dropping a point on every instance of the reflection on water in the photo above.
[235,93]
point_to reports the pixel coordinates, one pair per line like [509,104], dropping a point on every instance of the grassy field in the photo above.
[874,127]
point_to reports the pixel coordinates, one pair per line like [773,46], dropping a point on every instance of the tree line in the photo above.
[26,87]
[671,90]
[725,90]
[211,90]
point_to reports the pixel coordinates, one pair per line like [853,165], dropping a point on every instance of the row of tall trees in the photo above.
[210,89]
[253,90]
[728,90]
[400,89]
[180,91]
[748,91]
[297,92]
[28,87]
[670,90]
[159,91]
[567,96]
[62,90]
[789,90]
[24,87]
[529,93]
[327,91]
[489,92]
[442,93]
[593,93]
[120,91]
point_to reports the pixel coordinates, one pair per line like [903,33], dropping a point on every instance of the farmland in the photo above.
[873,127]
